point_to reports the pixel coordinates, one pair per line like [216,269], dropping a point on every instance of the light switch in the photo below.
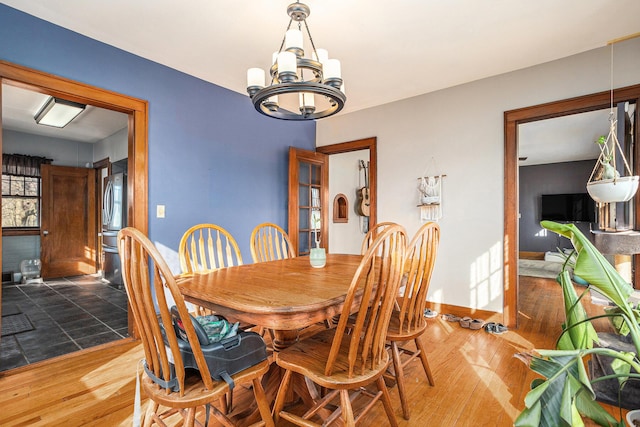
[160,211]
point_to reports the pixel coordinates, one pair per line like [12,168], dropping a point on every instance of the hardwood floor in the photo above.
[478,381]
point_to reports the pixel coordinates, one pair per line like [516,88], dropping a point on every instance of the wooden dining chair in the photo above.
[373,233]
[350,357]
[407,319]
[149,282]
[269,242]
[206,247]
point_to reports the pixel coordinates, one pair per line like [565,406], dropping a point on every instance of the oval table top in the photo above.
[282,295]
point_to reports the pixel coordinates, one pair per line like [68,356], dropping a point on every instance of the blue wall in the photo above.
[212,157]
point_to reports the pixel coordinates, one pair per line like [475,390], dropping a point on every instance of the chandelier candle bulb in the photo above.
[287,68]
[272,103]
[255,77]
[306,100]
[293,42]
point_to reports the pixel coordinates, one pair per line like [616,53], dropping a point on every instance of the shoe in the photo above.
[450,318]
[465,321]
[476,324]
[473,324]
[430,314]
[495,328]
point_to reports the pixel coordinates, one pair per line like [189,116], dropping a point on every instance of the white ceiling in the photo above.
[388,50]
[19,106]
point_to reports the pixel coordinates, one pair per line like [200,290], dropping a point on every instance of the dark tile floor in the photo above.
[68,314]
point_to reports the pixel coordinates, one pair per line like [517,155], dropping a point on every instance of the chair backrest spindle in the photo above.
[269,242]
[147,280]
[373,289]
[206,247]
[419,263]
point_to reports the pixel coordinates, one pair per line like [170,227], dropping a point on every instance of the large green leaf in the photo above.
[592,266]
[579,332]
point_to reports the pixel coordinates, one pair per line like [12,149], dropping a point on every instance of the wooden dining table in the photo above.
[284,296]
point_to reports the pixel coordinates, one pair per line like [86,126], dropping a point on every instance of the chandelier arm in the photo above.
[313,46]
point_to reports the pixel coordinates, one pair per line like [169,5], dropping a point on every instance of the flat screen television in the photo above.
[577,207]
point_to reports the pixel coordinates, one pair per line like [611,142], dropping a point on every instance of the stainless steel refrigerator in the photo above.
[114,217]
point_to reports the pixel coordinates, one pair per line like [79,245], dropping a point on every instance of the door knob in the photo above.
[45,232]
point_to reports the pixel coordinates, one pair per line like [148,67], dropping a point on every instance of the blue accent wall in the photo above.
[212,157]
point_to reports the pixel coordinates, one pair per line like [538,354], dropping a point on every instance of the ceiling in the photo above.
[19,106]
[388,50]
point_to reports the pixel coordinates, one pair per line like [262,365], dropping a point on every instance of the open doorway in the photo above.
[348,155]
[512,120]
[134,136]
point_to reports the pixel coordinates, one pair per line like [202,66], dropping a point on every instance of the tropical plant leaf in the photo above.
[592,266]
[581,332]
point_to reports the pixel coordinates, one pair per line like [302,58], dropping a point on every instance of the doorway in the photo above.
[514,118]
[136,111]
[368,146]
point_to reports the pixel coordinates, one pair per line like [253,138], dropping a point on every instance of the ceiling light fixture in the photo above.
[311,85]
[58,112]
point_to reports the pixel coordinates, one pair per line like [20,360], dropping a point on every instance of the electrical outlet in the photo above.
[160,211]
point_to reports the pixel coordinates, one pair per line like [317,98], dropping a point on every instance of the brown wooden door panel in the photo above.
[308,172]
[68,231]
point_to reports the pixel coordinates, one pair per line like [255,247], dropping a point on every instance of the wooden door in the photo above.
[308,199]
[68,229]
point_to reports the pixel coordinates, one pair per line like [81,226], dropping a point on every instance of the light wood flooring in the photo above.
[478,381]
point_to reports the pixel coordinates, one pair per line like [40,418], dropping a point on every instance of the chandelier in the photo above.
[301,88]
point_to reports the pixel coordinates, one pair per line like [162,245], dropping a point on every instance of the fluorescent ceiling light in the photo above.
[58,112]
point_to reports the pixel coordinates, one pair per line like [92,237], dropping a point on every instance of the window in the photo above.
[20,201]
[21,194]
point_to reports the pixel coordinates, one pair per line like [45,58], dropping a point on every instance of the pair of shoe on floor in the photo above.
[475,324]
[466,322]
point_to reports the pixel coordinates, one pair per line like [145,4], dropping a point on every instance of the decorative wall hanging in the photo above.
[430,197]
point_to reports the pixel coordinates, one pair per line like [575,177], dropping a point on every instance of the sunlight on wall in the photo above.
[485,283]
[542,233]
[170,256]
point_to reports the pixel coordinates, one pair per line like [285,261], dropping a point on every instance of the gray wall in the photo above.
[461,130]
[555,178]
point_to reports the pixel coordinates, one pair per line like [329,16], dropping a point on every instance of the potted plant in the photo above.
[607,186]
[566,392]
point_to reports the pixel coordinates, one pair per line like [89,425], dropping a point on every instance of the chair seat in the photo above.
[195,393]
[309,358]
[395,334]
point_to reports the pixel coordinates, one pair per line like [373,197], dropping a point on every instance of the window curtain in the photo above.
[23,165]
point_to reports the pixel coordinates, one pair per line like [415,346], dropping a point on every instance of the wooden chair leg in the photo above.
[347,410]
[399,372]
[152,409]
[263,404]
[190,418]
[386,401]
[281,396]
[425,363]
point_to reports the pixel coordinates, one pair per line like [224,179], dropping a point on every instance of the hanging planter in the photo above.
[605,183]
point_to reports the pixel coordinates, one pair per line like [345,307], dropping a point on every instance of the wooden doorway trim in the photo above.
[362,144]
[136,109]
[549,110]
